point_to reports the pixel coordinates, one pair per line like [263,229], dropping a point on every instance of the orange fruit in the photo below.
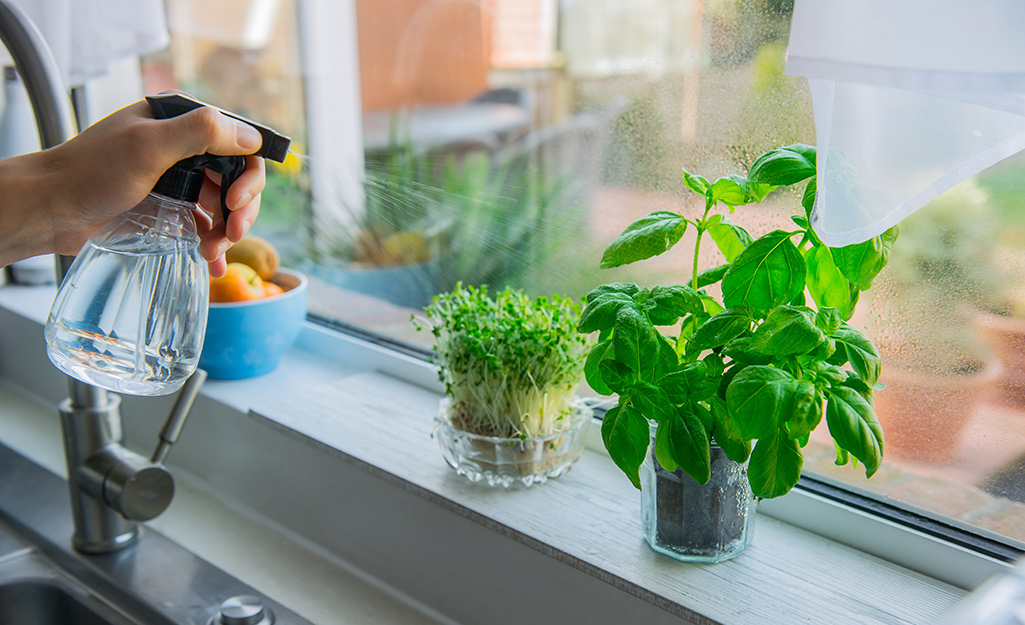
[270,289]
[240,283]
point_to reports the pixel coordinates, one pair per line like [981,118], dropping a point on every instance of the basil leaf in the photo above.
[807,410]
[828,319]
[861,263]
[600,313]
[808,199]
[860,352]
[735,448]
[730,238]
[740,350]
[667,359]
[720,329]
[854,426]
[711,276]
[635,341]
[595,357]
[784,166]
[691,382]
[787,331]
[616,376]
[686,439]
[729,190]
[768,273]
[760,399]
[775,466]
[828,287]
[652,402]
[625,434]
[649,236]
[630,289]
[667,303]
[697,184]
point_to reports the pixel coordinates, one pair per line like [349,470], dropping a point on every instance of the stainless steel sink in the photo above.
[44,581]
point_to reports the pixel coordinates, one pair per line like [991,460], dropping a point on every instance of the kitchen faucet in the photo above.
[112,488]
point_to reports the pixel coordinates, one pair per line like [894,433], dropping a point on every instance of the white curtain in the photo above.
[86,36]
[910,97]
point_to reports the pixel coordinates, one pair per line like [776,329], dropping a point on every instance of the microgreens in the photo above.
[759,365]
[510,364]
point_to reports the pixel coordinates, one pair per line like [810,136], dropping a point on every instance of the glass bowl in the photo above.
[512,462]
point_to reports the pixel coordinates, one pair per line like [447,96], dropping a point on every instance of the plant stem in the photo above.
[697,246]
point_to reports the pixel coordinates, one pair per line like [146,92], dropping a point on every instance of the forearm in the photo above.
[30,207]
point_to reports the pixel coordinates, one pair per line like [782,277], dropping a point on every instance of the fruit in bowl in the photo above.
[252,320]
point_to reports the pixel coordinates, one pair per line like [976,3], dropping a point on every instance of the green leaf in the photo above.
[667,359]
[649,236]
[667,303]
[784,166]
[616,376]
[728,190]
[711,276]
[854,426]
[595,357]
[720,329]
[842,456]
[687,441]
[736,449]
[760,399]
[601,312]
[807,410]
[828,287]
[740,350]
[787,331]
[775,466]
[858,350]
[768,273]
[829,320]
[652,402]
[635,342]
[730,238]
[808,199]
[861,262]
[697,184]
[625,434]
[691,382]
[664,449]
[630,289]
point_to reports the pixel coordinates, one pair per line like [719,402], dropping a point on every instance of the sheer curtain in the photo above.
[910,98]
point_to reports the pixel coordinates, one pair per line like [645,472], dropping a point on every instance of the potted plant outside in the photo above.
[718,411]
[511,366]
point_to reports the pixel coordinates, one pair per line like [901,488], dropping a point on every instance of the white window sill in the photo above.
[340,457]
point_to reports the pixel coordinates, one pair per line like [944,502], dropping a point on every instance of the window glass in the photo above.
[507,142]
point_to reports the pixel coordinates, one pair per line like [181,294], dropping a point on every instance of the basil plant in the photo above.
[754,372]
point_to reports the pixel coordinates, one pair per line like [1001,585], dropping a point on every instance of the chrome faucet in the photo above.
[112,488]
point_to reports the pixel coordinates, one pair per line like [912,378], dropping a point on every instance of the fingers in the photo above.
[206,130]
[243,199]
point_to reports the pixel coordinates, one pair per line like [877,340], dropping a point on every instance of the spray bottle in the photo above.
[130,315]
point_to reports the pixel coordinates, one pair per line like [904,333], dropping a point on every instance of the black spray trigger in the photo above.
[230,168]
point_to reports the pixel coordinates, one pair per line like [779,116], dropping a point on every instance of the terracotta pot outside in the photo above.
[923,416]
[1006,337]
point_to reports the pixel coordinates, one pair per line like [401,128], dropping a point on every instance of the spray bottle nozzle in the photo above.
[274,147]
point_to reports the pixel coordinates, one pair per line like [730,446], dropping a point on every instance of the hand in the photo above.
[112,165]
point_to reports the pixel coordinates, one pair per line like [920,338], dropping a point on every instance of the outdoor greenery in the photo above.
[510,364]
[759,365]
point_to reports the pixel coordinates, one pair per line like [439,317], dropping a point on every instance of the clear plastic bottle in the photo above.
[130,315]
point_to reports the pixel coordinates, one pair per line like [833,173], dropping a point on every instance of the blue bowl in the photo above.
[247,339]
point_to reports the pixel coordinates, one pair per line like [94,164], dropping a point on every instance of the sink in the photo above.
[43,581]
[46,603]
[35,592]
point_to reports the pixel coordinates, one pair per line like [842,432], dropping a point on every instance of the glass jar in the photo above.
[507,462]
[696,523]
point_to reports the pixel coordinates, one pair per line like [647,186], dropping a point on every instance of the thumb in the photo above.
[206,130]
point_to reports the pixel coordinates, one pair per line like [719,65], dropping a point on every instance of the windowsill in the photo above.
[341,458]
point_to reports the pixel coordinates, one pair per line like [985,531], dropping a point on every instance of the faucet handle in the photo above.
[176,420]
